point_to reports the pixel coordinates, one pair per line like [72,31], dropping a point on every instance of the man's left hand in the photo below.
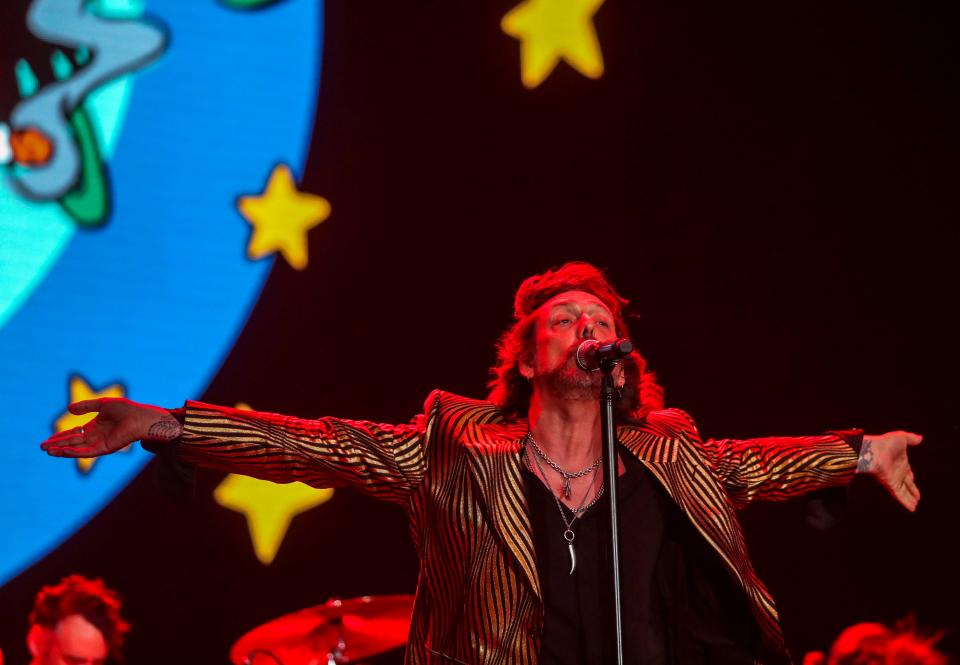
[884,456]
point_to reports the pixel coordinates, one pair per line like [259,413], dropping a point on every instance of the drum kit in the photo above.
[334,633]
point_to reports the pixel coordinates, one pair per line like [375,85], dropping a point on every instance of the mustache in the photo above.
[570,355]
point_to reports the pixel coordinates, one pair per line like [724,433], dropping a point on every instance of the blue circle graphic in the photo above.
[154,300]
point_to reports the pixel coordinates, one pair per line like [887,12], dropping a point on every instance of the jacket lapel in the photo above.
[494,453]
[649,447]
[657,452]
[660,454]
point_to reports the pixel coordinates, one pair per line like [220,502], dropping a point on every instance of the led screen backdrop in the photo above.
[323,208]
[145,107]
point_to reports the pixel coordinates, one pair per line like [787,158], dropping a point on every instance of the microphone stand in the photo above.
[611,477]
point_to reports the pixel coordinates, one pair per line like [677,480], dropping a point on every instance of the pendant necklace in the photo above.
[566,475]
[568,534]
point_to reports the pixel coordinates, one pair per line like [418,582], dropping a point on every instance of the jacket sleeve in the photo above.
[780,468]
[387,461]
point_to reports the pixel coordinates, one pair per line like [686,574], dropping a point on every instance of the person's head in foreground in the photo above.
[76,622]
[875,644]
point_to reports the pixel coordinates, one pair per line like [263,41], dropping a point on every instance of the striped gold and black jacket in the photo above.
[456,471]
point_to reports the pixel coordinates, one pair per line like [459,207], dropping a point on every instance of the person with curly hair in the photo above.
[76,622]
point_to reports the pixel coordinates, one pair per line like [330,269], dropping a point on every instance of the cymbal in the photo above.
[351,629]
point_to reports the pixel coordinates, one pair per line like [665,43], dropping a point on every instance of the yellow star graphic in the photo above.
[81,390]
[551,30]
[281,217]
[268,507]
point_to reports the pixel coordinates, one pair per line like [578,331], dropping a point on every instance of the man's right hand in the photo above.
[119,423]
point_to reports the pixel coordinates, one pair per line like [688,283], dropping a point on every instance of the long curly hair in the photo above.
[511,392]
[75,594]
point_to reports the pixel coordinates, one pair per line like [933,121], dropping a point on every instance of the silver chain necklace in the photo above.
[568,534]
[566,475]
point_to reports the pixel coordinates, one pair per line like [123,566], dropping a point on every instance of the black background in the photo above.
[771,184]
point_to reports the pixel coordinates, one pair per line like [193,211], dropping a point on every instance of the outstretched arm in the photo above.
[779,468]
[385,460]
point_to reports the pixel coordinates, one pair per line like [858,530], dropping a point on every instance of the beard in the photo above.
[569,382]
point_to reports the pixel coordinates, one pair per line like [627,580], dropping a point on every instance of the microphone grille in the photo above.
[585,359]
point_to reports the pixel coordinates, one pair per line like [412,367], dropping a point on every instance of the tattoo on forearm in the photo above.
[166,429]
[865,463]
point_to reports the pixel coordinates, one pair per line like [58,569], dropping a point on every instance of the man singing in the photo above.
[504,495]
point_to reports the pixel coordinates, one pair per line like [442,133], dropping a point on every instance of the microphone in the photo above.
[592,353]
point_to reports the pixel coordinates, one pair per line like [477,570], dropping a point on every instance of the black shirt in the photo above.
[680,605]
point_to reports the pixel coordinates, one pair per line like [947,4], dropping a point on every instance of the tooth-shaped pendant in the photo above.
[569,536]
